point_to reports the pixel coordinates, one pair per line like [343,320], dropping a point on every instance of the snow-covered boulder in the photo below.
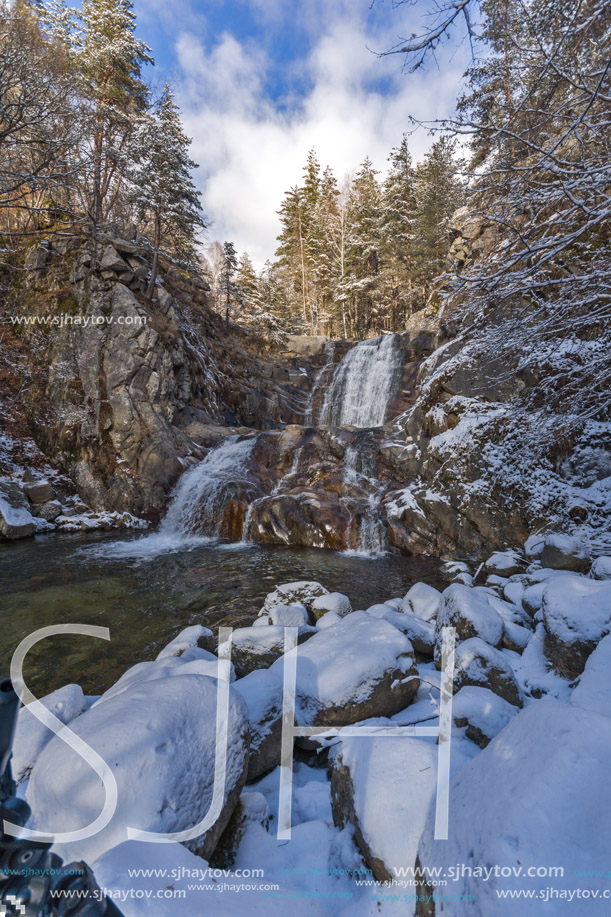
[39,491]
[504,563]
[594,689]
[530,798]
[359,668]
[563,552]
[31,735]
[258,647]
[533,546]
[601,568]
[50,511]
[420,633]
[16,521]
[195,635]
[482,712]
[262,691]
[336,602]
[577,615]
[515,636]
[328,620]
[379,610]
[194,661]
[423,601]
[304,592]
[477,663]
[470,612]
[384,787]
[160,738]
[295,615]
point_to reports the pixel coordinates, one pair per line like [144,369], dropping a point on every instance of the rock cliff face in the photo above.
[124,395]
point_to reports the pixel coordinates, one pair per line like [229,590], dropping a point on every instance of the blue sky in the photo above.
[262,81]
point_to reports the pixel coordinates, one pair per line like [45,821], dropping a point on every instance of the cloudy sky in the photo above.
[260,82]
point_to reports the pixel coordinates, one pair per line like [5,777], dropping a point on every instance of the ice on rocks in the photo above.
[31,735]
[161,740]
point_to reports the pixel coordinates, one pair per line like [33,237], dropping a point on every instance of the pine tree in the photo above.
[439,193]
[162,187]
[229,267]
[362,283]
[399,227]
[110,59]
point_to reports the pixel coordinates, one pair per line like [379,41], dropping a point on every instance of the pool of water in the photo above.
[146,590]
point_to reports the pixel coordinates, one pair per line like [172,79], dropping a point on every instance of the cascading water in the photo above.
[362,384]
[371,531]
[200,492]
[323,379]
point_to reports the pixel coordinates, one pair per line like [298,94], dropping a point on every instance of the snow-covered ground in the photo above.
[529,735]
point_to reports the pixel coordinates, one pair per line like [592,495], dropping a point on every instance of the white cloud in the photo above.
[252,150]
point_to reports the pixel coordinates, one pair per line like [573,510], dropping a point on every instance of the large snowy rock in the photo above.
[262,691]
[195,635]
[594,689]
[359,668]
[304,592]
[420,633]
[531,798]
[258,647]
[39,491]
[479,664]
[384,788]
[159,738]
[504,563]
[423,601]
[563,552]
[295,615]
[482,712]
[31,735]
[577,615]
[194,661]
[601,568]
[16,521]
[469,611]
[335,602]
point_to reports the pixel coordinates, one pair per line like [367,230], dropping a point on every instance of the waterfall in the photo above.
[323,378]
[200,493]
[362,384]
[371,533]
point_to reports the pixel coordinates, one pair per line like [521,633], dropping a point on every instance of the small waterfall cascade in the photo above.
[362,384]
[322,380]
[372,534]
[276,490]
[200,491]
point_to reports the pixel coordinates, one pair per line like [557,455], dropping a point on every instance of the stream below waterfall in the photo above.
[147,596]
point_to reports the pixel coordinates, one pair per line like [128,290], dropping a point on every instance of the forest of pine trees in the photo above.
[83,144]
[356,259]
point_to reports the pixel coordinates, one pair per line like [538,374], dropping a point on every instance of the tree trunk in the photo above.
[155,266]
